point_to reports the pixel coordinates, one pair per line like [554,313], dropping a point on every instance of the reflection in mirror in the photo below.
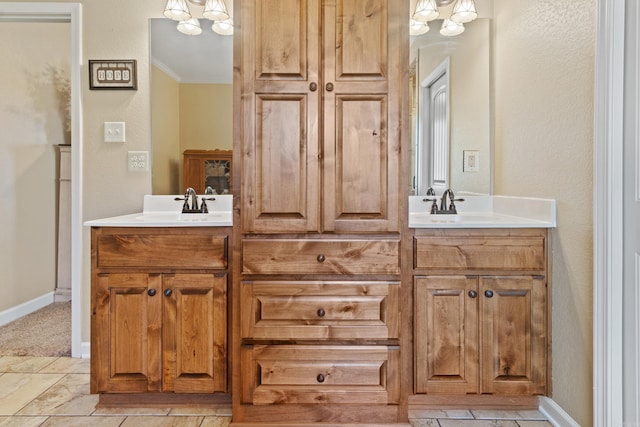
[452,138]
[191,98]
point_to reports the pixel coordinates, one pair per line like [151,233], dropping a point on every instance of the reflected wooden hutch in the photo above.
[204,168]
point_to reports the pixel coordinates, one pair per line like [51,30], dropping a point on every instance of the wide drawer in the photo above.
[320,374]
[309,256]
[480,253]
[319,310]
[164,250]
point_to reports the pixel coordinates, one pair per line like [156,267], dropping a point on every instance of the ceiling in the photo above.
[205,58]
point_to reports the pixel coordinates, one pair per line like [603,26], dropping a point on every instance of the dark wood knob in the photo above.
[488,294]
[313,86]
[329,87]
[321,312]
[473,294]
[167,292]
[151,292]
[320,378]
[320,258]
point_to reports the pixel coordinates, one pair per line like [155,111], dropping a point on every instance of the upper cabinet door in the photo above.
[280,132]
[321,117]
[362,97]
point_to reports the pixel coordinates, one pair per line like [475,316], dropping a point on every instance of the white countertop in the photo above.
[486,212]
[165,211]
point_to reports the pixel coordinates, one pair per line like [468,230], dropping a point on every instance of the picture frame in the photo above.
[113,74]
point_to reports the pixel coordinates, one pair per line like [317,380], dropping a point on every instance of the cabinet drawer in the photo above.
[321,374]
[319,310]
[187,250]
[308,256]
[480,253]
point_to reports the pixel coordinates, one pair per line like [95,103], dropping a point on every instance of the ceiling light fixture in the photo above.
[177,10]
[224,28]
[464,11]
[450,28]
[190,27]
[418,28]
[215,10]
[426,10]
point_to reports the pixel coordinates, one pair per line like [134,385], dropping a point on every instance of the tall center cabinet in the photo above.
[318,158]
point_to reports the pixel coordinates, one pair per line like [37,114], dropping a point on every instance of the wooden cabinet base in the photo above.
[472,401]
[164,400]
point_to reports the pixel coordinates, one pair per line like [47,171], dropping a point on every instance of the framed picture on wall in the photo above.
[113,74]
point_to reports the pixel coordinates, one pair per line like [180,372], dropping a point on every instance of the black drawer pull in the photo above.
[321,312]
[488,294]
[320,258]
[313,86]
[151,292]
[167,292]
[320,378]
[473,294]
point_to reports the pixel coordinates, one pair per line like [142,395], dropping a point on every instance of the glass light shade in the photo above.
[224,28]
[190,27]
[177,10]
[215,10]
[450,28]
[417,28]
[464,11]
[426,10]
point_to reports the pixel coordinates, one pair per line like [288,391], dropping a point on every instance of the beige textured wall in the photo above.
[34,89]
[165,132]
[544,79]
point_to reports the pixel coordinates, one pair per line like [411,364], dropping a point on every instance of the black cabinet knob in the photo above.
[488,294]
[151,292]
[473,294]
[321,312]
[320,378]
[321,258]
[329,87]
[313,86]
[167,292]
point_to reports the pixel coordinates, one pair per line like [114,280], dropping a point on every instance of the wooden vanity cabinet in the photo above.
[480,299]
[159,315]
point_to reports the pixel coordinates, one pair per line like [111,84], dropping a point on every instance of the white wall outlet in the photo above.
[138,161]
[470,163]
[114,132]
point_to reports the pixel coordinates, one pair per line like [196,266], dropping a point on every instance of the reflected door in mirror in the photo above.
[208,168]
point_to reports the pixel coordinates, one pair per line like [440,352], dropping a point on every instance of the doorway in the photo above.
[71,13]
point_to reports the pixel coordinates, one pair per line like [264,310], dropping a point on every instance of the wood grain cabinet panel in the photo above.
[315,256]
[156,328]
[320,310]
[321,374]
[481,333]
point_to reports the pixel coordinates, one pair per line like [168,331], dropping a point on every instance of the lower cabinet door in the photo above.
[309,374]
[446,334]
[513,333]
[194,333]
[125,330]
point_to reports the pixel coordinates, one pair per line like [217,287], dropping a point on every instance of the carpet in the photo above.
[46,332]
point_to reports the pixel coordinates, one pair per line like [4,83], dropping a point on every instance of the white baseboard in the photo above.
[14,313]
[555,414]
[85,350]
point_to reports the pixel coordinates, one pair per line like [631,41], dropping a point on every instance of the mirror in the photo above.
[462,119]
[191,98]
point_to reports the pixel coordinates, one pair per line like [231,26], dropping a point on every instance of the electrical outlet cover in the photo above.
[138,161]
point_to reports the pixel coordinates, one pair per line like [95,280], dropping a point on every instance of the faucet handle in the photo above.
[434,204]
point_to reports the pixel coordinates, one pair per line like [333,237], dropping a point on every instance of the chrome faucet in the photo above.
[190,195]
[444,208]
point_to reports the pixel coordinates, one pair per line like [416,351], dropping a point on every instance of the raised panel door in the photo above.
[126,325]
[280,138]
[513,312]
[194,331]
[446,334]
[361,113]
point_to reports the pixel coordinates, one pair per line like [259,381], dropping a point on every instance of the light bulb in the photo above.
[190,27]
[177,10]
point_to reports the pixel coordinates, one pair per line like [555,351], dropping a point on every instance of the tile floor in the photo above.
[54,392]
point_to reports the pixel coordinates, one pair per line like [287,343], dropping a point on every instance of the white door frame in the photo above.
[608,215]
[71,12]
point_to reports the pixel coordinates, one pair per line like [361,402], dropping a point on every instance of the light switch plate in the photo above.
[470,161]
[114,132]
[138,161]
